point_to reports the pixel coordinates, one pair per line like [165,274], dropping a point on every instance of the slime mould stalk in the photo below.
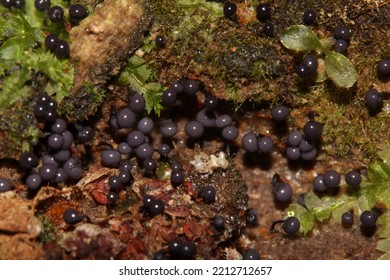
[99,47]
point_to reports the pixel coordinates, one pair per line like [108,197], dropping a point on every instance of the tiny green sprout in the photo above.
[338,68]
[139,75]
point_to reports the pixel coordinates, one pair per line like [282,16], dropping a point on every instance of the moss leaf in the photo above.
[300,38]
[153,96]
[340,70]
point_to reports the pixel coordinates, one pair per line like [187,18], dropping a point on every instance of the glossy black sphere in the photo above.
[72,216]
[263,12]
[353,178]
[309,17]
[291,225]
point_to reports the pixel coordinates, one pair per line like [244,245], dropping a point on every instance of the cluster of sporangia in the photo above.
[58,165]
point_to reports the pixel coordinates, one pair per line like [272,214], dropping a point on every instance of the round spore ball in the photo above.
[62,50]
[177,86]
[194,129]
[294,138]
[368,218]
[86,134]
[125,166]
[59,126]
[331,178]
[340,46]
[265,144]
[55,141]
[191,87]
[319,184]
[311,63]
[223,121]
[137,103]
[160,41]
[252,254]
[280,113]
[187,250]
[7,3]
[374,100]
[43,98]
[126,177]
[293,153]
[145,125]
[309,17]
[33,182]
[229,9]
[50,115]
[67,137]
[124,148]
[176,166]
[19,4]
[169,97]
[164,149]
[177,177]
[62,155]
[148,201]
[51,41]
[302,70]
[268,29]
[219,223]
[168,129]
[28,160]
[149,164]
[206,117]
[157,207]
[342,32]
[51,105]
[310,155]
[291,225]
[208,194]
[353,178]
[112,197]
[283,192]
[383,67]
[135,138]
[5,185]
[249,142]
[72,216]
[73,168]
[263,12]
[48,159]
[125,118]
[55,13]
[115,182]
[39,111]
[229,133]
[61,176]
[144,151]
[211,102]
[347,219]
[175,246]
[48,171]
[305,146]
[313,130]
[77,11]
[110,157]
[251,217]
[42,5]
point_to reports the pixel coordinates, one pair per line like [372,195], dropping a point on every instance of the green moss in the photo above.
[48,230]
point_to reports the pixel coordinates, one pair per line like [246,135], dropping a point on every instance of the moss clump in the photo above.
[234,61]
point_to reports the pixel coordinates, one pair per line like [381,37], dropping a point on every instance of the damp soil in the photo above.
[34,227]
